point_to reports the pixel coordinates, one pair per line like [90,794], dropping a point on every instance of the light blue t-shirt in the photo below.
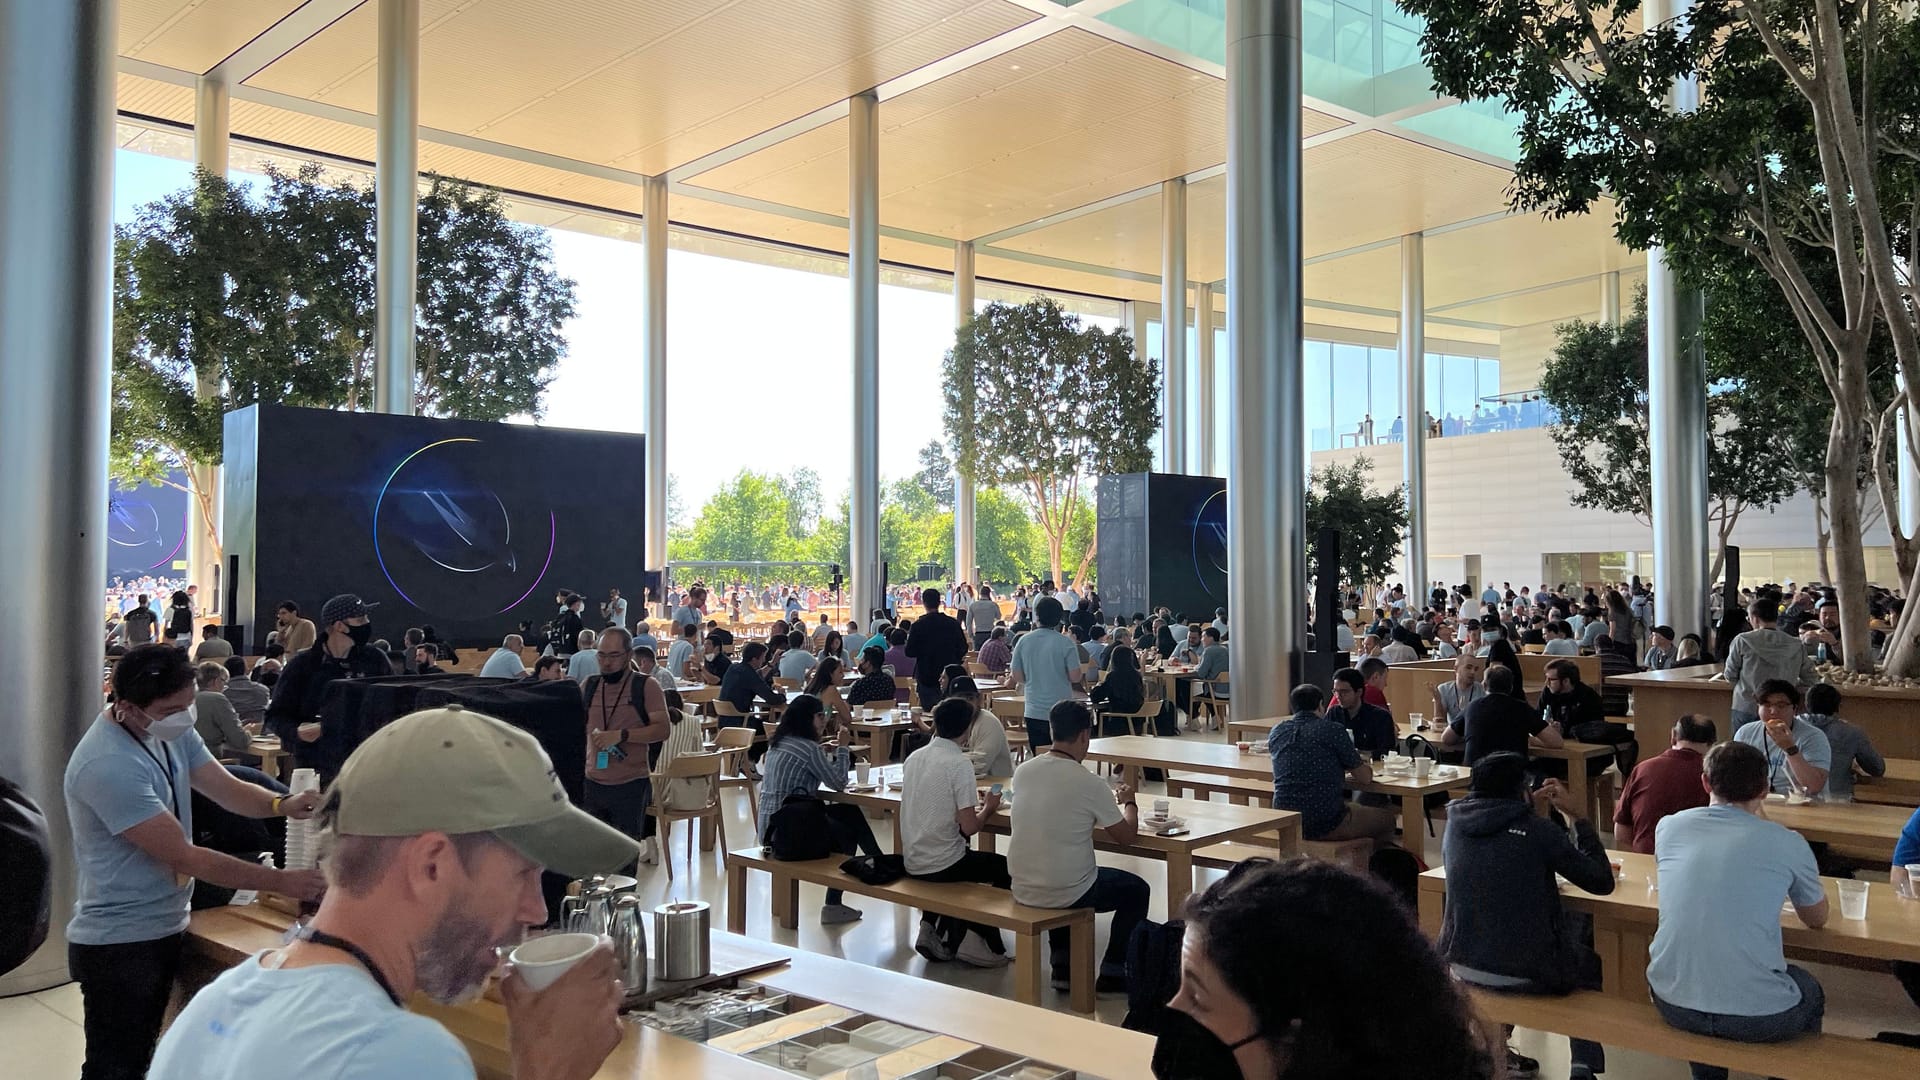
[583,665]
[115,781]
[1723,874]
[1043,659]
[330,1021]
[1563,646]
[796,663]
[504,663]
[1813,746]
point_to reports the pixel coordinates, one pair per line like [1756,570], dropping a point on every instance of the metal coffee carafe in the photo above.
[629,936]
[594,914]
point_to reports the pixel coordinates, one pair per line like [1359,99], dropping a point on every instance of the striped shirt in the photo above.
[795,766]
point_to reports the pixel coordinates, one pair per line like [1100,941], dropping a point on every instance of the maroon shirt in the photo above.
[1659,786]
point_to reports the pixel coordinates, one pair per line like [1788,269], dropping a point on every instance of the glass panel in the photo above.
[1384,394]
[1456,400]
[1318,390]
[1349,393]
[1489,378]
[1399,48]
[1353,39]
[1477,125]
[1152,334]
[1223,403]
[1433,382]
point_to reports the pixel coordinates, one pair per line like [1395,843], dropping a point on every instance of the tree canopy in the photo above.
[1038,403]
[1370,522]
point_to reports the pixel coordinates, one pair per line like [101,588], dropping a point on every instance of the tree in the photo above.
[802,489]
[1005,541]
[1597,381]
[936,474]
[913,529]
[1038,403]
[1798,158]
[266,297]
[744,521]
[1370,523]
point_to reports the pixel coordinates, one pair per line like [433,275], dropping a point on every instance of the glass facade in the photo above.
[1353,396]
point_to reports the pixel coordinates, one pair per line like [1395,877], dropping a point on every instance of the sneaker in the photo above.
[650,851]
[975,953]
[929,944]
[1110,984]
[1579,1072]
[1520,1065]
[1061,980]
[838,914]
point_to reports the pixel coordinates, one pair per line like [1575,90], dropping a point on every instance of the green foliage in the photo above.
[1037,403]
[746,519]
[936,474]
[1371,523]
[1007,544]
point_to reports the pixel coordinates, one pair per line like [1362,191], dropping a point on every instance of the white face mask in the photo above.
[172,725]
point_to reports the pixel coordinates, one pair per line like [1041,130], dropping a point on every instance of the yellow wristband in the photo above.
[275,808]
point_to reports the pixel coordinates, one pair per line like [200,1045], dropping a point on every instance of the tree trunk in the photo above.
[1850,558]
[1054,541]
[1821,536]
[1086,560]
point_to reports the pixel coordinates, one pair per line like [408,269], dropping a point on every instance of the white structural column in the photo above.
[396,199]
[1173,325]
[653,320]
[1413,410]
[863,272]
[211,140]
[56,233]
[1610,298]
[1676,419]
[1204,403]
[1266,496]
[964,560]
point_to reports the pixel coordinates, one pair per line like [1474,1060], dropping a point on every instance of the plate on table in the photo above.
[862,789]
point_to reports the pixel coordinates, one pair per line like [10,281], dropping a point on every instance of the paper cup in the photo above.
[1421,767]
[545,959]
[861,771]
[1853,900]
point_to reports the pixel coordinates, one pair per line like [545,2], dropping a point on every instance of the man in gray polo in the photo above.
[422,887]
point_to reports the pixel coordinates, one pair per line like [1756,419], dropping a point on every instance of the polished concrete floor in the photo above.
[42,1035]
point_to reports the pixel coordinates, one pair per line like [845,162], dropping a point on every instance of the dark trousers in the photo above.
[124,989]
[985,867]
[1802,1019]
[1039,734]
[623,806]
[1909,976]
[929,693]
[1584,964]
[1113,890]
[850,835]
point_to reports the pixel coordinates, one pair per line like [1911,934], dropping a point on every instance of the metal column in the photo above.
[396,203]
[211,140]
[964,560]
[56,243]
[654,221]
[863,272]
[1173,324]
[1266,498]
[1204,462]
[1610,298]
[1677,418]
[1413,409]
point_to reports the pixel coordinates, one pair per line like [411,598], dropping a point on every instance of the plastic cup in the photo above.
[544,959]
[1418,720]
[1421,767]
[1160,808]
[861,771]
[1913,881]
[1853,900]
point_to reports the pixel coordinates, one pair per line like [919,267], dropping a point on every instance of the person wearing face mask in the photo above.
[1243,1013]
[345,652]
[422,889]
[129,790]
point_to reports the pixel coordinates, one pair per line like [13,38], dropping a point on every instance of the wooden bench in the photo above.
[962,900]
[1615,1021]
[1900,787]
[1241,790]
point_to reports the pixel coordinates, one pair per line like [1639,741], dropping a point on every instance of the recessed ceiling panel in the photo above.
[192,35]
[1520,252]
[1372,186]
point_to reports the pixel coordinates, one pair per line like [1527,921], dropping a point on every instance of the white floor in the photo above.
[43,1041]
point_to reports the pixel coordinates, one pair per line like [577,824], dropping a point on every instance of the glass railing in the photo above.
[1506,412]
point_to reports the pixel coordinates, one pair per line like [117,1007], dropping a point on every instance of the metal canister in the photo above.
[629,936]
[681,946]
[597,915]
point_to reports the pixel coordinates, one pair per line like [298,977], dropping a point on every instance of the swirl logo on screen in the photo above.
[449,543]
[1210,545]
[134,523]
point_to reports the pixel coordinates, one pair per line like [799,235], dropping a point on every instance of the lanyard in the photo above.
[321,937]
[165,767]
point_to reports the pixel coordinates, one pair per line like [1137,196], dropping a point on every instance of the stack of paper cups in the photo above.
[303,836]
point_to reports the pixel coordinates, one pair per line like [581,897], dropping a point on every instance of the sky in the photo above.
[758,356]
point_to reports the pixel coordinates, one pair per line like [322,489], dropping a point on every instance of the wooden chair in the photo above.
[733,744]
[977,669]
[688,767]
[1015,720]
[1148,712]
[903,687]
[1201,696]
[788,686]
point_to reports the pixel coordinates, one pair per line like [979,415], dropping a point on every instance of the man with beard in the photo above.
[421,889]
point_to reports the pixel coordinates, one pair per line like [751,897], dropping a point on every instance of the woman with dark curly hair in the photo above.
[1280,980]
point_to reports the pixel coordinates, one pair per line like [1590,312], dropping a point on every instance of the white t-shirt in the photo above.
[937,782]
[1057,805]
[331,1021]
[617,612]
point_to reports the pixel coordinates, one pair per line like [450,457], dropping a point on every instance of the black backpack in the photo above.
[26,889]
[798,831]
[1153,973]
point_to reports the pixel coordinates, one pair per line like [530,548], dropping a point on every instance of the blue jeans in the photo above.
[1802,1019]
[1113,890]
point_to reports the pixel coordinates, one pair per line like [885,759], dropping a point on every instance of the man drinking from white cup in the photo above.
[425,881]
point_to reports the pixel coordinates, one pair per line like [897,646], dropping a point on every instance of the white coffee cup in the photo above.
[1421,766]
[544,959]
[860,772]
[1853,899]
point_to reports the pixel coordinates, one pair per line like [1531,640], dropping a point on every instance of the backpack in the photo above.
[798,831]
[26,896]
[1153,973]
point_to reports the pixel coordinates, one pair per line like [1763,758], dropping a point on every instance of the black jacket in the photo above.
[934,641]
[1121,691]
[302,689]
[1503,906]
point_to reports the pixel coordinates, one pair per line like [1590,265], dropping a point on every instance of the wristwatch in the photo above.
[1793,751]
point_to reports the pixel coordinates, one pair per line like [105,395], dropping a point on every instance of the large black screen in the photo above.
[1163,540]
[469,527]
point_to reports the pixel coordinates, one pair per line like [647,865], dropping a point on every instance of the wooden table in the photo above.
[1208,823]
[1253,731]
[1576,755]
[1863,830]
[877,729]
[218,938]
[1624,923]
[1412,793]
[272,756]
[1889,715]
[1900,787]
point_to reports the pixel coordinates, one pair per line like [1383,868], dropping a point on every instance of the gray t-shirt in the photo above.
[114,781]
[1811,741]
[1043,659]
[1848,745]
[983,614]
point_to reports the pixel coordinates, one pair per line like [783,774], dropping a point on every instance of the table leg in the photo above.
[1130,776]
[789,890]
[1606,942]
[1432,909]
[1179,880]
[1577,784]
[777,901]
[1413,819]
[736,898]
[706,834]
[1080,957]
[899,845]
[989,841]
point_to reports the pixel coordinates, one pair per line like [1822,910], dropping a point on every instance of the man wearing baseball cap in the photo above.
[425,881]
[342,652]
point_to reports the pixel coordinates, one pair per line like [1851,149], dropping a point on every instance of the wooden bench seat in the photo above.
[962,900]
[1237,789]
[1615,1021]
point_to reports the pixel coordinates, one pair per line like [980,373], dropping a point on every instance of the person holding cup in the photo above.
[422,889]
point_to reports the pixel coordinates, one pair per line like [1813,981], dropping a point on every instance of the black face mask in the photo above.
[361,634]
[612,678]
[1186,1050]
